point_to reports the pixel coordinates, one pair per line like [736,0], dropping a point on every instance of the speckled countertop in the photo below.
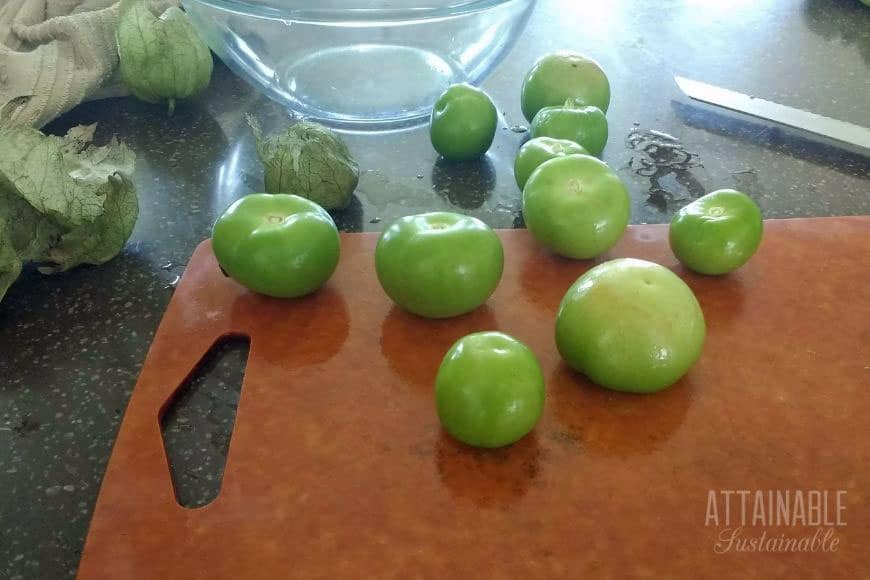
[73,344]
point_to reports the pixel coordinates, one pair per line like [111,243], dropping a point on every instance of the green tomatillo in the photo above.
[536,151]
[439,264]
[162,59]
[489,391]
[576,206]
[585,125]
[279,245]
[717,233]
[564,75]
[463,123]
[630,325]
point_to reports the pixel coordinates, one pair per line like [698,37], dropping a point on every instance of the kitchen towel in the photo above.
[55,54]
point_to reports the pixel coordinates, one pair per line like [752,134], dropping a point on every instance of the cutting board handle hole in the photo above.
[197,421]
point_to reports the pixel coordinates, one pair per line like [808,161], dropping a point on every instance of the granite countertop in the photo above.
[73,344]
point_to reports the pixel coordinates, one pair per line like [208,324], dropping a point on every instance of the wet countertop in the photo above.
[73,344]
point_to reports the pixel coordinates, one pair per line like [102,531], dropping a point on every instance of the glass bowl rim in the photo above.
[337,15]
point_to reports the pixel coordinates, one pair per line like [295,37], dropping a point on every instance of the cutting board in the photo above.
[338,467]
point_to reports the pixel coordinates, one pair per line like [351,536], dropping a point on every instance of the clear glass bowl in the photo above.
[357,63]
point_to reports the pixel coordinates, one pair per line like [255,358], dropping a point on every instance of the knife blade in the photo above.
[833,128]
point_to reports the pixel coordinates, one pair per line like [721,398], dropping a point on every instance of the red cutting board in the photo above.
[338,467]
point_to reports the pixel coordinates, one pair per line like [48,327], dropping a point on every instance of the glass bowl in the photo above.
[365,64]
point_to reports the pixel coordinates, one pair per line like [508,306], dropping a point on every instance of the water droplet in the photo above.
[519,128]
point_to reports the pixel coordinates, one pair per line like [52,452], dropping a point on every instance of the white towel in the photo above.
[55,54]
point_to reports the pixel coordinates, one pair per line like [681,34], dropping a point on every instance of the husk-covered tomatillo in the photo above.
[308,160]
[162,59]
